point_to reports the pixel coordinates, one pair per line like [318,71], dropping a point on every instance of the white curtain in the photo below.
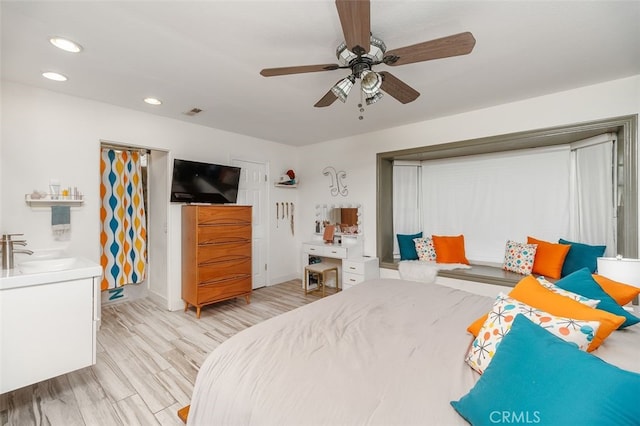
[592,219]
[407,213]
[497,197]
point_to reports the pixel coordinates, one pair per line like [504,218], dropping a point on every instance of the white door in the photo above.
[253,191]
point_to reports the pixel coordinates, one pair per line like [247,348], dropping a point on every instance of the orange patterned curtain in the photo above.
[123,232]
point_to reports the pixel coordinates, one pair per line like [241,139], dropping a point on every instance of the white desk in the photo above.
[354,268]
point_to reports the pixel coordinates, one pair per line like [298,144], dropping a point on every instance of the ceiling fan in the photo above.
[361,51]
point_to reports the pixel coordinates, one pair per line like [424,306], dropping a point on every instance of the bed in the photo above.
[384,352]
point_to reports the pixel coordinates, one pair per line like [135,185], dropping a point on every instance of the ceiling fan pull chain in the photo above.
[361,106]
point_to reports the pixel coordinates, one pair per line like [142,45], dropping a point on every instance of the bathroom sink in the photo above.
[48,270]
[46,265]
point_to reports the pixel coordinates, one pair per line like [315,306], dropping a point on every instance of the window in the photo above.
[626,152]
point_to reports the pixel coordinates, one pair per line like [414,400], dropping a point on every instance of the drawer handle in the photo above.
[225,259]
[224,222]
[352,280]
[352,268]
[223,280]
[229,240]
[333,251]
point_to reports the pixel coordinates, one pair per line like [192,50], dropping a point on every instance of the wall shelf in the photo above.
[285,185]
[46,201]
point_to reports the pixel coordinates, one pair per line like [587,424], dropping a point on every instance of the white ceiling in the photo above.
[208,54]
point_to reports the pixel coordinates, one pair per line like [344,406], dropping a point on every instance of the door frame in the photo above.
[157,224]
[265,213]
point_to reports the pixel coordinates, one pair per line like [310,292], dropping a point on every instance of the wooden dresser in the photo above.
[216,254]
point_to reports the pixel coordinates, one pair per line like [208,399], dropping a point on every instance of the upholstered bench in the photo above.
[320,270]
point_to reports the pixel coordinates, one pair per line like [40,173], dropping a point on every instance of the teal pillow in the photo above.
[581,256]
[536,377]
[582,282]
[407,246]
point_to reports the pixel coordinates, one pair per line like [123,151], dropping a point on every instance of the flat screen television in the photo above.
[195,182]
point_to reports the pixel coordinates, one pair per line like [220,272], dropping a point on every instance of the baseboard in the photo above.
[158,299]
[283,278]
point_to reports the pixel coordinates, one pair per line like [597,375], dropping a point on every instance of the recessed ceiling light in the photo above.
[65,44]
[54,76]
[153,101]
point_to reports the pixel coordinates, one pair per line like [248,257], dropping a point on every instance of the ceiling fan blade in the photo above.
[455,45]
[271,72]
[355,18]
[397,88]
[326,100]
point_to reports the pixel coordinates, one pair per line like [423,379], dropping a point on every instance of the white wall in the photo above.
[357,155]
[48,135]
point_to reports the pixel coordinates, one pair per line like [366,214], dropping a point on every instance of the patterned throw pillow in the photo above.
[501,318]
[518,257]
[425,249]
[537,378]
[562,292]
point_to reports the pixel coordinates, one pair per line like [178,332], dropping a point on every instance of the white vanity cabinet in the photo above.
[346,251]
[359,269]
[48,325]
[354,268]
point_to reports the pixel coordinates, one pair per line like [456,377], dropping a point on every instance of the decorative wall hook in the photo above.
[337,185]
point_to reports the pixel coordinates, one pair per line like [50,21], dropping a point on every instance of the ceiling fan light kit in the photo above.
[361,51]
[343,87]
[373,98]
[371,82]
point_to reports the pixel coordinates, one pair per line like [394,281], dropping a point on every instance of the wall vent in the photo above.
[193,111]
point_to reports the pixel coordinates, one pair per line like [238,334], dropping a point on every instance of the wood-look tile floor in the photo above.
[147,362]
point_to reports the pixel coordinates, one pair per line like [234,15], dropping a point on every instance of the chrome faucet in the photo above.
[6,245]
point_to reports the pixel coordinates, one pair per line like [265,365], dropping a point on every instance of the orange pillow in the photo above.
[475,327]
[449,249]
[549,257]
[621,293]
[529,291]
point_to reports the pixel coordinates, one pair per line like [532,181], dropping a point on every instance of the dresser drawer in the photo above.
[313,249]
[224,290]
[212,234]
[210,253]
[224,270]
[349,278]
[353,267]
[226,215]
[335,252]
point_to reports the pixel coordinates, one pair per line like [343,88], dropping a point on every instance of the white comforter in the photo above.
[385,352]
